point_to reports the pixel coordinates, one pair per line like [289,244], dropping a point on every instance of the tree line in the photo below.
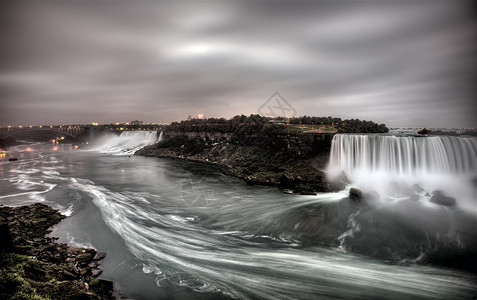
[253,124]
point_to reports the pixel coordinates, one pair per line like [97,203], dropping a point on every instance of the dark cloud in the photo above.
[404,64]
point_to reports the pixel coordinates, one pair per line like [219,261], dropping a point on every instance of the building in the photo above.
[136,122]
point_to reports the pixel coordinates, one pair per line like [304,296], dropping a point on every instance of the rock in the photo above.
[99,256]
[439,198]
[288,191]
[417,188]
[355,194]
[12,159]
[69,275]
[96,272]
[5,237]
[414,197]
[84,258]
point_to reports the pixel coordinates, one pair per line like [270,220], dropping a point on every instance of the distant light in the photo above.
[51,126]
[20,126]
[127,123]
[94,124]
[62,137]
[41,126]
[117,123]
[9,126]
[86,143]
[121,128]
[30,126]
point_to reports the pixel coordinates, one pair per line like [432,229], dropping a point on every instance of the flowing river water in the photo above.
[182,230]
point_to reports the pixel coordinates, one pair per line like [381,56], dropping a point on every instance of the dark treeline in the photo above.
[358,126]
[315,120]
[242,124]
[343,126]
[259,124]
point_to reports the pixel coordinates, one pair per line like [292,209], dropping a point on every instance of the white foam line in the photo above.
[52,186]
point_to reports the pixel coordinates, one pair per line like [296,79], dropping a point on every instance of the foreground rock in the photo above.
[39,266]
[439,198]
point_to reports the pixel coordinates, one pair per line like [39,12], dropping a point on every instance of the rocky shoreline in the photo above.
[286,168]
[38,267]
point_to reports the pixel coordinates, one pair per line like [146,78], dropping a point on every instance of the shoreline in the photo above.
[286,168]
[32,263]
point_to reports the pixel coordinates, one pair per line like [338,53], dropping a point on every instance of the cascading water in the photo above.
[403,155]
[390,164]
[128,142]
[407,183]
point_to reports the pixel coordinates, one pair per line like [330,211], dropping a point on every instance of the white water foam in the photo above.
[128,142]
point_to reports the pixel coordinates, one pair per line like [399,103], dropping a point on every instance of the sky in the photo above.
[404,64]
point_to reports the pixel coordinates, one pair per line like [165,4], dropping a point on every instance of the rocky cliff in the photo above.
[293,162]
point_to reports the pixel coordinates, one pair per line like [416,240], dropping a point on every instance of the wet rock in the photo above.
[12,159]
[355,194]
[27,227]
[99,256]
[96,272]
[439,198]
[417,188]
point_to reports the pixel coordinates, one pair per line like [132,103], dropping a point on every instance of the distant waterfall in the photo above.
[403,155]
[128,142]
[161,136]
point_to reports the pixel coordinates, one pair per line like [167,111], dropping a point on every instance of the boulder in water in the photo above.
[417,188]
[355,194]
[13,159]
[439,198]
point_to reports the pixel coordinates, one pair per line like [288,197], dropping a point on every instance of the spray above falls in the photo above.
[128,142]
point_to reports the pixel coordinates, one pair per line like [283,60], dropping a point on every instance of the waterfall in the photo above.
[128,142]
[392,166]
[161,136]
[403,155]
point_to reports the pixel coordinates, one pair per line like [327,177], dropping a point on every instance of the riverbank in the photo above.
[292,164]
[8,142]
[34,266]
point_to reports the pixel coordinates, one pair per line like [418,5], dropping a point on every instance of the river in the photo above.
[182,230]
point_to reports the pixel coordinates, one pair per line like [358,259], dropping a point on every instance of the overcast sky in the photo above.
[402,64]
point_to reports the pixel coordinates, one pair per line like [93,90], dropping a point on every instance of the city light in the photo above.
[94,124]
